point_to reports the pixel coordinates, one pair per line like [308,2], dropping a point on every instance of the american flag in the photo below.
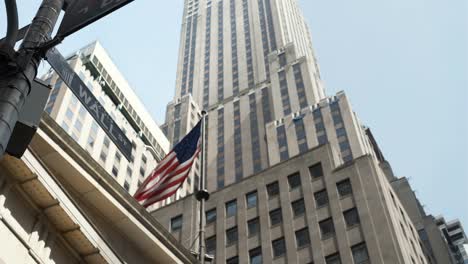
[172,171]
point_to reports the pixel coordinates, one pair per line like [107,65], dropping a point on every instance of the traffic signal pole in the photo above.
[18,73]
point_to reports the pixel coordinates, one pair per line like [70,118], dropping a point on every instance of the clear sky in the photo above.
[403,64]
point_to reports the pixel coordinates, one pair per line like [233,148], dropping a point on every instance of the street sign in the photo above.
[94,107]
[81,13]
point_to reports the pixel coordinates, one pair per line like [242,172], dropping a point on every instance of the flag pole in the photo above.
[202,194]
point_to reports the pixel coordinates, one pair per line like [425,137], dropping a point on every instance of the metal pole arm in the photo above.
[15,88]
[12,25]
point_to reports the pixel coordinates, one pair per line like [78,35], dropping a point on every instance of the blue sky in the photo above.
[403,64]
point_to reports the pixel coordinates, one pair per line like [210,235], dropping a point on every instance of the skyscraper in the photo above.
[295,176]
[247,63]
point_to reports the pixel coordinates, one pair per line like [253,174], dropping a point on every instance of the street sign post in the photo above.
[89,101]
[78,14]
[81,13]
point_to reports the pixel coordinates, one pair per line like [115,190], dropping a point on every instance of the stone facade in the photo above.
[58,205]
[382,230]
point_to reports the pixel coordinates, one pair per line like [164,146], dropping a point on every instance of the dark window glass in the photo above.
[294,180]
[423,234]
[344,187]
[298,207]
[255,256]
[275,217]
[282,59]
[211,216]
[360,255]
[253,226]
[316,171]
[210,244]
[126,185]
[176,223]
[115,171]
[321,198]
[302,237]
[233,260]
[351,217]
[333,259]
[231,208]
[231,236]
[273,189]
[251,199]
[279,247]
[327,228]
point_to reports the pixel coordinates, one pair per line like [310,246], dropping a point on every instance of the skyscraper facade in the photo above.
[102,77]
[295,176]
[247,63]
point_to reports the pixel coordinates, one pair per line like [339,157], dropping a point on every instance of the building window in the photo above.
[103,156]
[255,256]
[233,260]
[282,142]
[360,255]
[78,125]
[69,114]
[298,207]
[251,199]
[253,226]
[316,171]
[210,244]
[327,228]
[176,223]
[273,189]
[126,186]
[231,208]
[302,237]
[294,180]
[210,216]
[282,59]
[321,198]
[351,217]
[231,236]
[344,188]
[333,259]
[275,217]
[115,171]
[279,247]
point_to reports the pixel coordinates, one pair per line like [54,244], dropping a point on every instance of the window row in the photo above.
[359,253]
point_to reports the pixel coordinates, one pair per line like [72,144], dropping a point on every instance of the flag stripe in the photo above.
[156,197]
[167,161]
[174,184]
[161,184]
[172,171]
[157,177]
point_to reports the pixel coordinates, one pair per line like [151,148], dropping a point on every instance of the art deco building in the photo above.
[295,176]
[247,63]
